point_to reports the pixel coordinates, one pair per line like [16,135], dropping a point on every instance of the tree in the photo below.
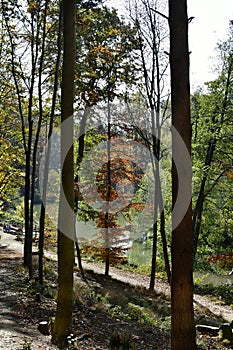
[106,44]
[211,127]
[114,172]
[182,323]
[63,320]
[11,159]
[27,29]
[47,157]
[152,35]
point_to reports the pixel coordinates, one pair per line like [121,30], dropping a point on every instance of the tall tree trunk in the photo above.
[29,172]
[182,322]
[156,135]
[81,146]
[28,237]
[164,244]
[63,319]
[109,184]
[39,123]
[154,255]
[47,156]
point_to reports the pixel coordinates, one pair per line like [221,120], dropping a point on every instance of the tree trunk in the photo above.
[41,244]
[109,184]
[107,260]
[63,319]
[28,237]
[47,156]
[39,123]
[154,255]
[81,146]
[156,152]
[182,322]
[164,244]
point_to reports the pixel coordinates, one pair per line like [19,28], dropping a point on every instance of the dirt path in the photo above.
[15,334]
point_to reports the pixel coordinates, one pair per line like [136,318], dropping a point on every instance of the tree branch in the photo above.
[160,13]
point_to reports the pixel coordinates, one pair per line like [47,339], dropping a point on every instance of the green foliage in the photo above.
[212,157]
[140,314]
[11,157]
[105,43]
[27,345]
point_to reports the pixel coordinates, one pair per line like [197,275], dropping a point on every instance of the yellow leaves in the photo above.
[83,23]
[228,170]
[101,54]
[32,8]
[113,31]
[229,174]
[101,49]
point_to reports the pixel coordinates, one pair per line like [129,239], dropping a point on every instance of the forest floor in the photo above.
[99,308]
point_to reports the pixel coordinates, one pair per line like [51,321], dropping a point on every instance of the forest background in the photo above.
[122,91]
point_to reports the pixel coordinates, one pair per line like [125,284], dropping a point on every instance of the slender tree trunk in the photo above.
[154,255]
[39,123]
[197,215]
[182,323]
[81,139]
[28,237]
[156,181]
[63,319]
[41,244]
[81,146]
[29,180]
[107,259]
[164,244]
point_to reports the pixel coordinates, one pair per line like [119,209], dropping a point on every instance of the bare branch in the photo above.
[159,13]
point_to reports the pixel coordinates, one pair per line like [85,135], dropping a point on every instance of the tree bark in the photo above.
[63,319]
[81,147]
[182,322]
[47,156]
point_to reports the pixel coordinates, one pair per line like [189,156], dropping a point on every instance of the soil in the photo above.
[21,311]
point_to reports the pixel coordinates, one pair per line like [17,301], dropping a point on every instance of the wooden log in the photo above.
[207,329]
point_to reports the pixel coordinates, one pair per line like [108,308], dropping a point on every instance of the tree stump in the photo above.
[225,332]
[44,328]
